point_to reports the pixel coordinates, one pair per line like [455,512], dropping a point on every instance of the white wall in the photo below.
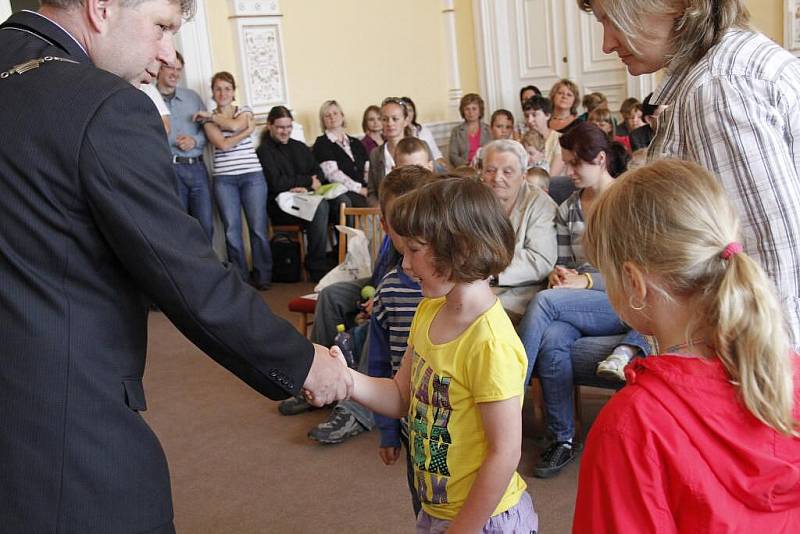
[5,9]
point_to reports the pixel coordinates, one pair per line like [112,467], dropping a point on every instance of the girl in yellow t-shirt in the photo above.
[461,380]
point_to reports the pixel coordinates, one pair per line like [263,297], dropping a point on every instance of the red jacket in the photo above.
[675,451]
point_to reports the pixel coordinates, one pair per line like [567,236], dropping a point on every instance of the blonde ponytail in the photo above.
[673,219]
[751,340]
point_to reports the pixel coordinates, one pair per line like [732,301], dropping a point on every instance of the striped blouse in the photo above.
[239,159]
[737,113]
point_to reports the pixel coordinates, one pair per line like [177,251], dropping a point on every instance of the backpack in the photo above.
[285,259]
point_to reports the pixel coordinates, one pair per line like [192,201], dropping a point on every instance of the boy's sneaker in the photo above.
[554,459]
[294,406]
[613,367]
[340,426]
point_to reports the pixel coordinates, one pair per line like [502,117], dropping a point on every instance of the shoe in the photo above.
[341,426]
[613,367]
[554,459]
[294,406]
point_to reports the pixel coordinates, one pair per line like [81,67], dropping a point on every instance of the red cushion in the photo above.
[302,305]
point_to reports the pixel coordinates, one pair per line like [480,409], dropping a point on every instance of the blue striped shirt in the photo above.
[393,310]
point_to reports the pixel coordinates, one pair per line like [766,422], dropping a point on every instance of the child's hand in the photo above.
[389,455]
[572,281]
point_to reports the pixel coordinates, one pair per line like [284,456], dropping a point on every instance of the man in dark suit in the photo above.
[91,229]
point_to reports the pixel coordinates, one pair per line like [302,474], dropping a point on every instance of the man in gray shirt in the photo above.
[187,141]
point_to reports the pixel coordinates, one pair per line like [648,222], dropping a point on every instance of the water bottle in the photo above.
[344,341]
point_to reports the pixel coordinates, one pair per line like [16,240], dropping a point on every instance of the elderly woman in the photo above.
[470,135]
[565,98]
[532,215]
[733,106]
[341,157]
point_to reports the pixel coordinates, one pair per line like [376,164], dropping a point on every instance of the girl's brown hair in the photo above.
[223,76]
[462,222]
[673,220]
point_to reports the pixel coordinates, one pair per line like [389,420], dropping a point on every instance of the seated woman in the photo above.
[591,102]
[705,436]
[238,180]
[532,215]
[290,166]
[372,128]
[470,135]
[577,306]
[341,157]
[538,112]
[420,131]
[394,117]
[565,98]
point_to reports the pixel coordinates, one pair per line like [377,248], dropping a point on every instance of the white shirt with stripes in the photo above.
[737,113]
[239,159]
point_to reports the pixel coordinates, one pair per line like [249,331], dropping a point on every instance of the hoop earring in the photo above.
[636,308]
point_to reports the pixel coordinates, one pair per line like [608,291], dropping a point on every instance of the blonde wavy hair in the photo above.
[673,219]
[699,24]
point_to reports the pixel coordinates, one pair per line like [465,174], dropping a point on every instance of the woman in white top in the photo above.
[238,180]
[421,132]
[394,116]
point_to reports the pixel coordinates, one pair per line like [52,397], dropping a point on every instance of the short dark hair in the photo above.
[188,7]
[411,145]
[462,222]
[587,140]
[179,57]
[533,88]
[648,109]
[538,102]
[400,181]
[278,112]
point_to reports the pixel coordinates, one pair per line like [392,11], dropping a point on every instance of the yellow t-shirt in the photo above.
[485,363]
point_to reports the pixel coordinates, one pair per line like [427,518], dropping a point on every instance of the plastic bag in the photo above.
[357,263]
[302,205]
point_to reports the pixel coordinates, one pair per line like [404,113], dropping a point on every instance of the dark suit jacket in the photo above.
[326,150]
[91,229]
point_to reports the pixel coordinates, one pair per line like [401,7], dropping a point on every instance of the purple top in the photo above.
[369,143]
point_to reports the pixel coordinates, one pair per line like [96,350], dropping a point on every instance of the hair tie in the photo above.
[731,249]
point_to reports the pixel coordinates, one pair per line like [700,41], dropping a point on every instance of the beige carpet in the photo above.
[239,467]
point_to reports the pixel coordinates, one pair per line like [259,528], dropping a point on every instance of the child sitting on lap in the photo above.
[461,379]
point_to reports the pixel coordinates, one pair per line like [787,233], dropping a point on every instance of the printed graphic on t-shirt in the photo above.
[430,439]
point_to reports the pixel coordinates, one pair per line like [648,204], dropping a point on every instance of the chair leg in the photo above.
[301,241]
[302,325]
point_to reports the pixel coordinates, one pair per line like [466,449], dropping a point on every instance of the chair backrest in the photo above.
[368,220]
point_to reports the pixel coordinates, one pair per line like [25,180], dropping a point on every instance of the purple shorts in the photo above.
[519,519]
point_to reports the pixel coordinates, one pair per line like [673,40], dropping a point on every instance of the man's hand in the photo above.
[389,455]
[315,183]
[185,142]
[328,379]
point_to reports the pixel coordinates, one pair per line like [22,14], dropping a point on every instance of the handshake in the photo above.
[329,378]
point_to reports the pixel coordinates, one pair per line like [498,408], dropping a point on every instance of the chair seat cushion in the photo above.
[302,305]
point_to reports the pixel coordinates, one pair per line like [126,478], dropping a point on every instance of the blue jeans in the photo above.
[195,193]
[555,319]
[248,191]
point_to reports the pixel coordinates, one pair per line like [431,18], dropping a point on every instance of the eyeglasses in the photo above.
[393,100]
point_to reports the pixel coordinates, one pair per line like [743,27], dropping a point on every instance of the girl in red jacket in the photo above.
[704,438]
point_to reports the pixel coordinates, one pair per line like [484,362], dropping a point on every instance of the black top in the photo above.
[641,137]
[327,150]
[287,165]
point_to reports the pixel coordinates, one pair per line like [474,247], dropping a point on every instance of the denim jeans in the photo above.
[554,321]
[248,191]
[195,193]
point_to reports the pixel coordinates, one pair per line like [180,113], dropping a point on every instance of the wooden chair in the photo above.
[368,220]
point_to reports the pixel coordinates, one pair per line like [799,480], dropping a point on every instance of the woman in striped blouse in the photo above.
[238,180]
[577,305]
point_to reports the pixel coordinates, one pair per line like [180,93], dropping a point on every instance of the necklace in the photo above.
[701,341]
